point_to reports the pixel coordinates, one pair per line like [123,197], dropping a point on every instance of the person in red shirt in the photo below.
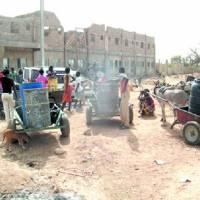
[68,88]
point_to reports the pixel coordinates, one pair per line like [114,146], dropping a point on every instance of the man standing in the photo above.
[51,73]
[125,89]
[67,95]
[13,74]
[7,96]
[20,77]
[79,92]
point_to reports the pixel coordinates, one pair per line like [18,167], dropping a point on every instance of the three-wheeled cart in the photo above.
[35,112]
[105,102]
[191,124]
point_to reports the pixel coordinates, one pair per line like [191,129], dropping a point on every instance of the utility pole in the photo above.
[87,49]
[121,39]
[79,49]
[134,54]
[106,53]
[77,57]
[42,32]
[145,56]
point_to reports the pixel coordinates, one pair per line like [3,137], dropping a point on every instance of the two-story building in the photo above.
[109,48]
[20,40]
[100,47]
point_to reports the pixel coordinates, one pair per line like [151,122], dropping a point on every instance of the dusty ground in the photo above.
[102,162]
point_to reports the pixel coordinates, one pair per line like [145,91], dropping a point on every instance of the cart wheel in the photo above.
[66,129]
[2,115]
[88,116]
[191,133]
[130,114]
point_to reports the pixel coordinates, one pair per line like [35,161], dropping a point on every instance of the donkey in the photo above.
[170,94]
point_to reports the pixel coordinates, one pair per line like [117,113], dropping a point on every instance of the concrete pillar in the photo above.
[2,51]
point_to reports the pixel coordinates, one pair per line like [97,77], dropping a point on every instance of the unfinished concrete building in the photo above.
[20,40]
[107,49]
[99,47]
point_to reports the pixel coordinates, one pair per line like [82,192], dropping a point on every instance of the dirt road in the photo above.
[102,162]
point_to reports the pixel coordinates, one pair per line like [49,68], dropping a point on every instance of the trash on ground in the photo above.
[185,180]
[159,162]
[59,151]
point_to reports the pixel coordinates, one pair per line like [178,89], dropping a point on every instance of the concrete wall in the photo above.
[14,29]
[51,58]
[176,69]
[14,54]
[26,39]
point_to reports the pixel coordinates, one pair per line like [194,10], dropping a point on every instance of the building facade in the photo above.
[108,49]
[20,40]
[99,47]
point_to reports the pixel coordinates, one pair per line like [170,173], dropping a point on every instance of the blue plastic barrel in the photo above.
[27,86]
[194,101]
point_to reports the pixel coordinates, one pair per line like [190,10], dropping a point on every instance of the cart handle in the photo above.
[162,99]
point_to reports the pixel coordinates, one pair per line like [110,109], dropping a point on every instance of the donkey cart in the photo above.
[191,125]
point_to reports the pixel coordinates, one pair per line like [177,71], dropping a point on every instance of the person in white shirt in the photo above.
[79,92]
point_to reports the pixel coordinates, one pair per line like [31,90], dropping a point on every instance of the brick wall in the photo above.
[22,35]
[176,69]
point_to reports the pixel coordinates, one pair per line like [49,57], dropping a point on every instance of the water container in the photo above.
[23,87]
[107,97]
[194,101]
[37,108]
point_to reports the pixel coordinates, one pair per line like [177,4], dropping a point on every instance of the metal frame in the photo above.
[18,121]
[95,114]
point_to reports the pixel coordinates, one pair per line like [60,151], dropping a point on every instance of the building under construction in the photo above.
[97,47]
[108,48]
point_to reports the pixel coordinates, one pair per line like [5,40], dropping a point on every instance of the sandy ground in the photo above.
[102,162]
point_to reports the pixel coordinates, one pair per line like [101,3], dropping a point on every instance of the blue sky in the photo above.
[173,23]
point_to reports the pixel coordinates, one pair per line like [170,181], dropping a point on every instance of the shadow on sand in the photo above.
[111,128]
[39,149]
[148,117]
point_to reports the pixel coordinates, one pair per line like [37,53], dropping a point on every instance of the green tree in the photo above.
[194,57]
[177,60]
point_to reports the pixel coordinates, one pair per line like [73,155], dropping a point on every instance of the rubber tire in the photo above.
[2,115]
[88,116]
[65,122]
[130,114]
[197,127]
